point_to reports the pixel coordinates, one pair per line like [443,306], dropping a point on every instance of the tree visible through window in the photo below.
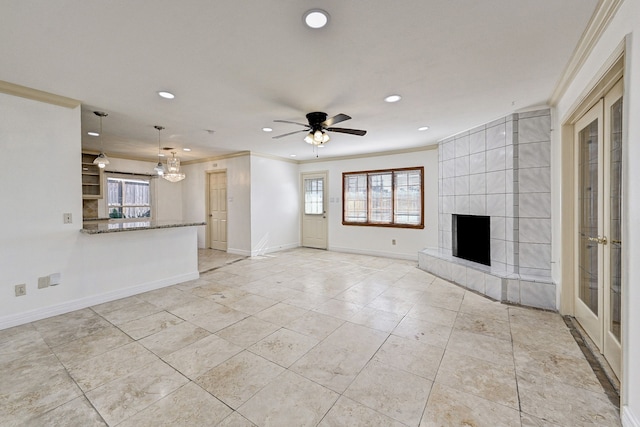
[392,198]
[128,198]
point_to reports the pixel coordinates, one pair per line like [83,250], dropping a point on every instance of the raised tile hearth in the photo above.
[500,170]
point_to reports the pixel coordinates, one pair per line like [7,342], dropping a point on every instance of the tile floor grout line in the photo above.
[515,366]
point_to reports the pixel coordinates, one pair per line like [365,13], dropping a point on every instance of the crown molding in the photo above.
[37,95]
[222,157]
[602,16]
[378,154]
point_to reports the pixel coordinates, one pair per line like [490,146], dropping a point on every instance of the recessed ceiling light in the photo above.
[316,18]
[423,128]
[160,155]
[93,133]
[393,98]
[292,155]
[186,149]
[267,129]
[165,94]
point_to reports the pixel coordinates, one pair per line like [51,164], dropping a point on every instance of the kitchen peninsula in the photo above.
[108,226]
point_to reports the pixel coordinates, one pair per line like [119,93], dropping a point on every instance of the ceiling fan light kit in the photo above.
[318,126]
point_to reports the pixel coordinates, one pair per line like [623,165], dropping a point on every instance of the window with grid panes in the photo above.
[313,196]
[390,198]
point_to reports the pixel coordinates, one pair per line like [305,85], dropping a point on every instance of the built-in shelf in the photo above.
[91,177]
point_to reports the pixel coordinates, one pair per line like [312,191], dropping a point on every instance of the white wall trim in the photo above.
[603,14]
[242,252]
[264,251]
[37,95]
[628,418]
[78,304]
[395,255]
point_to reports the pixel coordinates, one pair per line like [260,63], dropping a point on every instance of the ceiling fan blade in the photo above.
[335,119]
[295,123]
[358,132]
[291,133]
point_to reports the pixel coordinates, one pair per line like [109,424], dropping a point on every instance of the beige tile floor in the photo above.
[301,338]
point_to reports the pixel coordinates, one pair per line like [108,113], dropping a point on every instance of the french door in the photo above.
[598,136]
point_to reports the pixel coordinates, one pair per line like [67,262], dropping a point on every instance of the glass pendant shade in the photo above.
[159,169]
[173,173]
[101,161]
[309,138]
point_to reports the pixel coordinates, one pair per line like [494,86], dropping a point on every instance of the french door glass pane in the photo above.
[313,196]
[588,221]
[615,205]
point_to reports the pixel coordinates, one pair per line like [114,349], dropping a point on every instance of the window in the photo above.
[313,196]
[128,197]
[388,198]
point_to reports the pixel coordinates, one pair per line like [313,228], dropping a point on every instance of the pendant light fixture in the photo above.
[159,169]
[101,160]
[173,173]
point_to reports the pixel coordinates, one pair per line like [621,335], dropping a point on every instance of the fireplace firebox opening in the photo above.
[471,238]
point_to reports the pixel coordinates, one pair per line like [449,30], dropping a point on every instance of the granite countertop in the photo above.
[95,227]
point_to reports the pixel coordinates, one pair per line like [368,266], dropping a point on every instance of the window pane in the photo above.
[114,192]
[408,197]
[380,197]
[128,198]
[313,196]
[355,198]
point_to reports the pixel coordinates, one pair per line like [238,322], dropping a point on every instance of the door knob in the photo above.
[600,240]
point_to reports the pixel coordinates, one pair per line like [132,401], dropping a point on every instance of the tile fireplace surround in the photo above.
[500,170]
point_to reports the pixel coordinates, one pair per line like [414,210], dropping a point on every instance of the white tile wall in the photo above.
[501,169]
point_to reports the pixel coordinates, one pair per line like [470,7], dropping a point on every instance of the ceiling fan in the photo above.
[318,126]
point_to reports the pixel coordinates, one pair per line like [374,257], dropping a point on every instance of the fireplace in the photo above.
[471,238]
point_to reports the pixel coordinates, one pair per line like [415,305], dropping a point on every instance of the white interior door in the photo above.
[218,210]
[598,136]
[314,210]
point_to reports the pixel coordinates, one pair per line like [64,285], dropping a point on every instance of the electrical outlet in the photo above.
[393,241]
[21,290]
[66,218]
[43,282]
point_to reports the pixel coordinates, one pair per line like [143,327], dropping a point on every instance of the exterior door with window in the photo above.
[218,210]
[598,136]
[314,210]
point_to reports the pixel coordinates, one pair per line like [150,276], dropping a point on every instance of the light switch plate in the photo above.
[43,282]
[66,218]
[21,290]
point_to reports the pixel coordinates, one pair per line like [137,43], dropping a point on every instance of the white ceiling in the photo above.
[235,66]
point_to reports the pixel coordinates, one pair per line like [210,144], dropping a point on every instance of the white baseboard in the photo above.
[78,304]
[264,251]
[395,255]
[628,418]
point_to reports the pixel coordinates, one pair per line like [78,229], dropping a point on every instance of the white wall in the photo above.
[625,23]
[40,146]
[166,196]
[275,205]
[377,240]
[238,199]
